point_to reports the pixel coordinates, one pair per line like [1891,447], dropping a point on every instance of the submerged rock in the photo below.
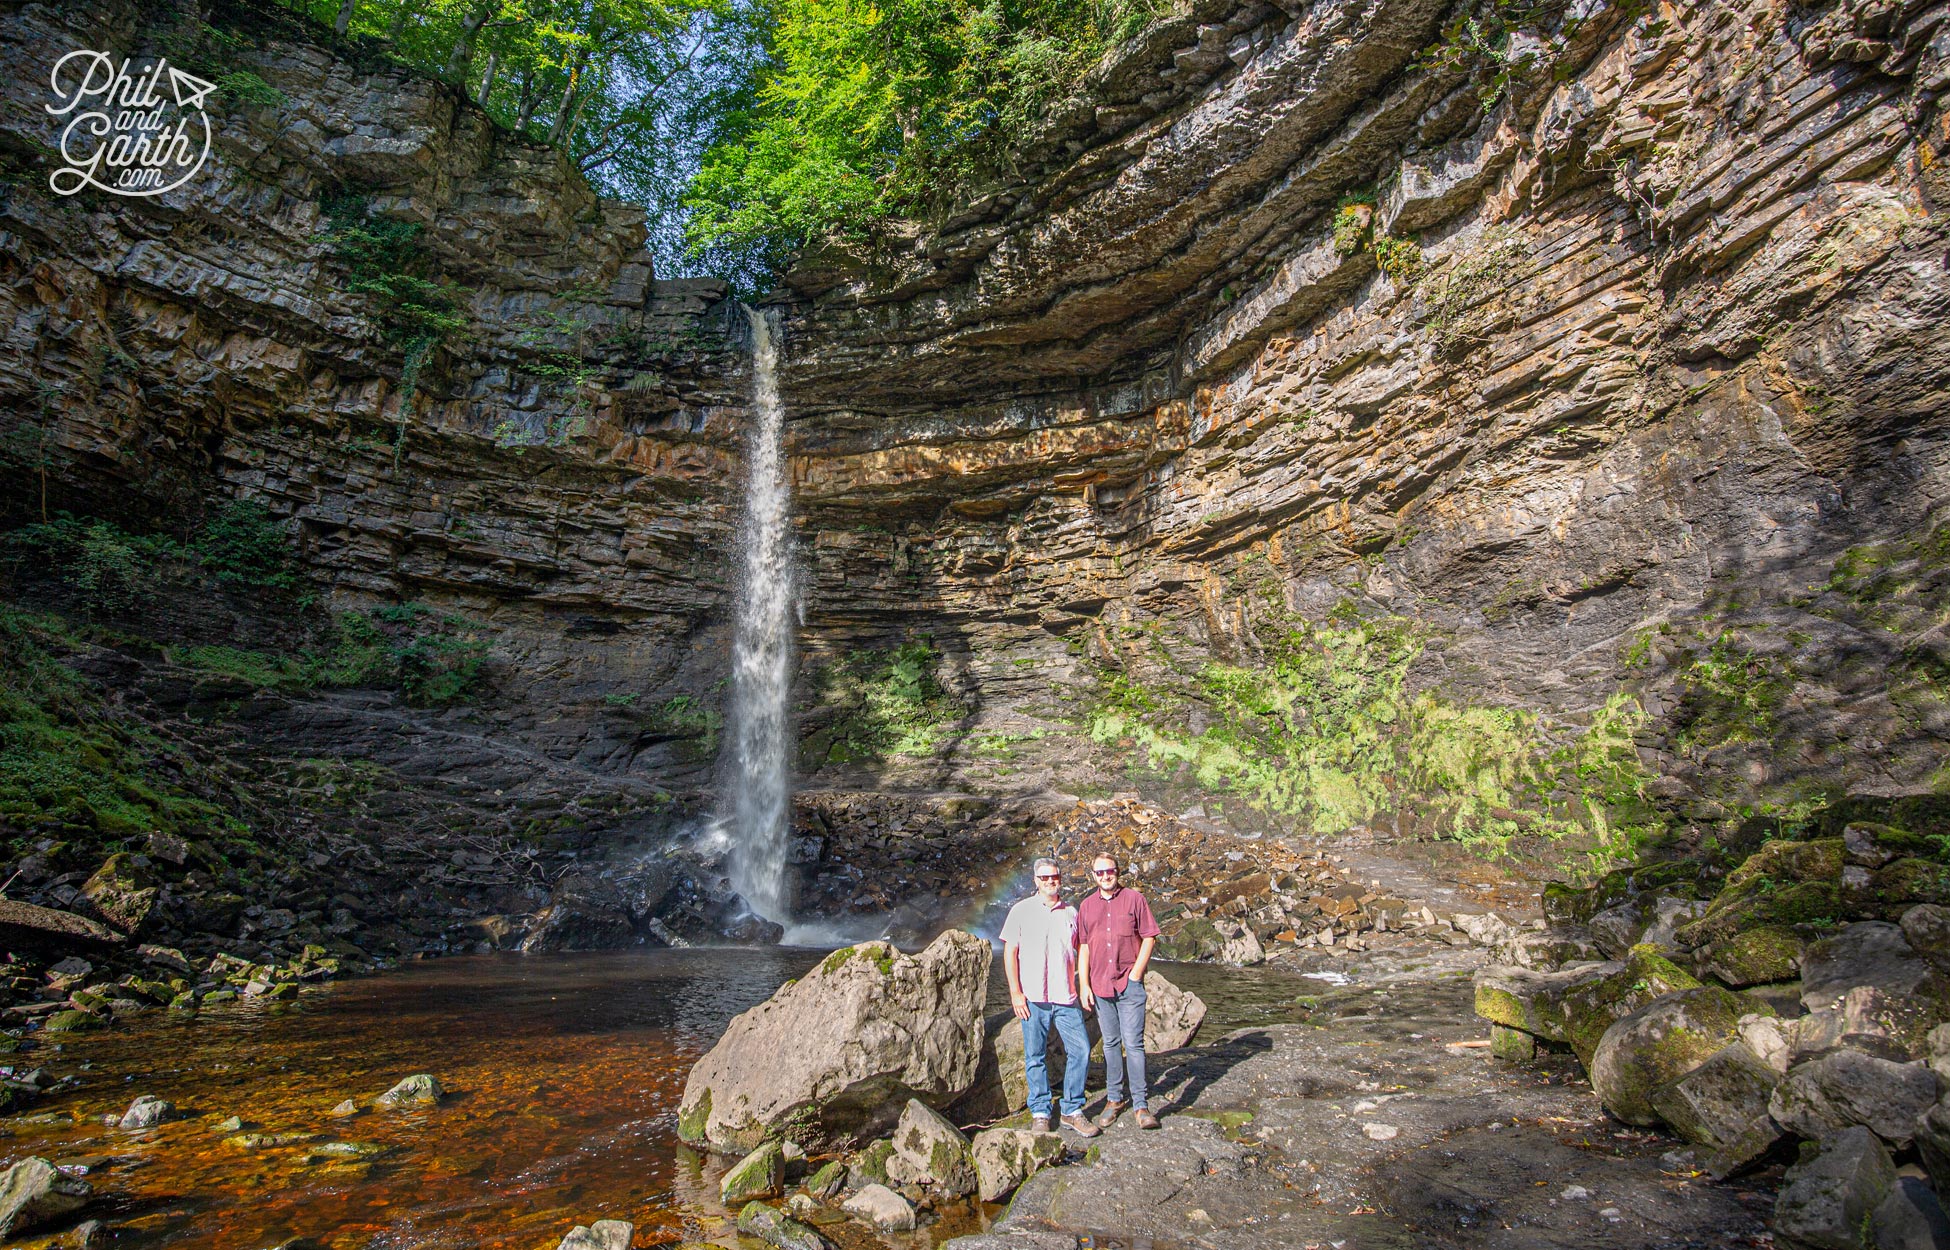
[147,1112]
[1004,1158]
[419,1090]
[833,1056]
[779,1229]
[882,1208]
[34,1193]
[602,1235]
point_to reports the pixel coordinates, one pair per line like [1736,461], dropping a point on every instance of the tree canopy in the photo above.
[749,127]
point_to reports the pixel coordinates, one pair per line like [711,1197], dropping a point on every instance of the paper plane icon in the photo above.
[189,89]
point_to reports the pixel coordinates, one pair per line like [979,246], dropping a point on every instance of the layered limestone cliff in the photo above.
[1330,414]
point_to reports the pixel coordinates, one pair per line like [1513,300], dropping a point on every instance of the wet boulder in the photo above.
[881,1207]
[602,1235]
[1848,1088]
[34,1193]
[930,1151]
[422,1089]
[1005,1157]
[1660,1043]
[147,1111]
[832,1057]
[760,1174]
[1829,1202]
[779,1229]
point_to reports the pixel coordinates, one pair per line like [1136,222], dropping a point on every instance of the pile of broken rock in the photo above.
[1803,996]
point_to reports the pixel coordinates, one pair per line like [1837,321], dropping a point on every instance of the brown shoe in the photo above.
[1080,1126]
[1108,1116]
[1145,1119]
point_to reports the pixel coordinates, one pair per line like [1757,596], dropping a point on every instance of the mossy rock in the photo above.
[1514,1045]
[1903,884]
[1197,939]
[760,1174]
[692,1119]
[869,1167]
[71,1021]
[828,1180]
[1758,956]
[1660,1042]
[1566,905]
[1783,883]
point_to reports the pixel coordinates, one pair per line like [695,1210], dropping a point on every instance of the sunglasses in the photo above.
[1103,872]
[1049,876]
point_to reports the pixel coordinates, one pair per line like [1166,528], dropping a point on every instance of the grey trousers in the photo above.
[1121,1020]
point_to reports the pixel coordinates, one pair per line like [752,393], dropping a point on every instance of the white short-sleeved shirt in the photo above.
[1046,939]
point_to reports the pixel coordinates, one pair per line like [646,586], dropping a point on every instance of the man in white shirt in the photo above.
[1039,952]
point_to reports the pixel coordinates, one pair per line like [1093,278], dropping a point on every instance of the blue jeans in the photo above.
[1068,1019]
[1121,1020]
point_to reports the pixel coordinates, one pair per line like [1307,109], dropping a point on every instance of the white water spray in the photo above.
[758,769]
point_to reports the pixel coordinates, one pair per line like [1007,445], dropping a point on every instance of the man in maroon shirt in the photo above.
[1116,933]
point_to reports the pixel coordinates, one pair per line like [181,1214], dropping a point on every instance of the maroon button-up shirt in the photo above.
[1113,928]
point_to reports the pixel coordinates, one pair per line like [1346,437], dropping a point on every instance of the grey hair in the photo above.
[1046,865]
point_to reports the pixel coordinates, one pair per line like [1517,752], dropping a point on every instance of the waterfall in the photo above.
[758,767]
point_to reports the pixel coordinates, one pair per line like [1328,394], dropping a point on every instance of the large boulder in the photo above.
[1658,1044]
[1829,1202]
[1847,1088]
[1171,1015]
[831,1058]
[33,1193]
[1006,1157]
[1873,952]
[1578,1003]
[1783,883]
[928,1150]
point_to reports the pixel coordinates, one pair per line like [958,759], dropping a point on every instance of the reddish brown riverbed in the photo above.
[565,1074]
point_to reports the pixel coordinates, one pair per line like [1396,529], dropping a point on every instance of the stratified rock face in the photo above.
[835,1055]
[1659,337]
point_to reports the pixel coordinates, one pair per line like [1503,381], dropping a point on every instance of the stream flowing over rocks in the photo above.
[1450,493]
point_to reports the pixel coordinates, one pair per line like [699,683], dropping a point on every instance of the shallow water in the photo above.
[565,1074]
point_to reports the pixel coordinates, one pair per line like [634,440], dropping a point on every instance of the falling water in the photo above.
[758,774]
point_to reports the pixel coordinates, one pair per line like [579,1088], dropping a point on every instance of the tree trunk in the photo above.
[344,21]
[463,57]
[528,100]
[562,115]
[487,79]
